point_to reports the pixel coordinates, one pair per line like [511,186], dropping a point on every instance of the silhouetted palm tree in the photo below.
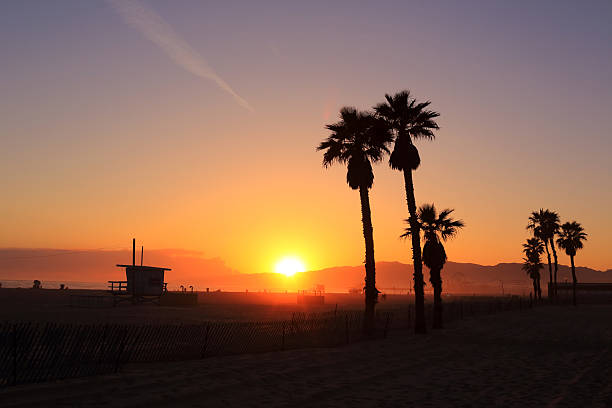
[357,140]
[571,235]
[532,263]
[410,120]
[545,224]
[436,228]
[532,266]
[553,223]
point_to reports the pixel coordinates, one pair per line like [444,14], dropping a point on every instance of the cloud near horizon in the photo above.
[153,27]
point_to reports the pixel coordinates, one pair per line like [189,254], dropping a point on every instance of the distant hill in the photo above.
[457,277]
[190,268]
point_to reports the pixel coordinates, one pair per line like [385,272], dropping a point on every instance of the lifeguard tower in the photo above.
[143,284]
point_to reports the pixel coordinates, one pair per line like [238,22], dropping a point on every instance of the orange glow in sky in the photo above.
[111,130]
[289,266]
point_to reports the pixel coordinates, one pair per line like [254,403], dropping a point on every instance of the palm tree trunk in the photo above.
[539,288]
[550,274]
[419,283]
[436,282]
[535,289]
[574,280]
[371,293]
[554,251]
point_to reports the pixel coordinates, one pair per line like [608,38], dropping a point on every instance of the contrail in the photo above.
[154,28]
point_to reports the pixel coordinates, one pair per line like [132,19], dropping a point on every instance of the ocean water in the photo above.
[11,283]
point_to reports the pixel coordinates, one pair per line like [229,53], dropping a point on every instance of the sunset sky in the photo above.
[193,125]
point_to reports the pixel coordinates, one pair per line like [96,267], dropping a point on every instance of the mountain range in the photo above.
[191,268]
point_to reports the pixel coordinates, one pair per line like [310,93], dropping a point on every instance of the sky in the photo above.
[193,125]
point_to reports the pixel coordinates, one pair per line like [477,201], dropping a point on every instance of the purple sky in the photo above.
[108,131]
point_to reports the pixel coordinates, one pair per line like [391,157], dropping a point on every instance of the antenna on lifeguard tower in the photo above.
[141,254]
[133,251]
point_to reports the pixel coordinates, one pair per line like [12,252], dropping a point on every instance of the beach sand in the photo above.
[52,305]
[550,357]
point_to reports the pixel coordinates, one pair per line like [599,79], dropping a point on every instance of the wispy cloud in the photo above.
[154,28]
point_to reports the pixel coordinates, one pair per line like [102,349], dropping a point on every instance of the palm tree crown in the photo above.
[409,120]
[435,226]
[571,235]
[533,248]
[544,223]
[358,139]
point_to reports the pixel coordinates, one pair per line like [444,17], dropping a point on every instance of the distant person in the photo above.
[37,284]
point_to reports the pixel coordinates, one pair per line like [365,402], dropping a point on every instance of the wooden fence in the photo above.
[36,352]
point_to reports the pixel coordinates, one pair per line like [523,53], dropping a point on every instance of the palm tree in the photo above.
[571,235]
[436,228]
[545,224]
[553,223]
[409,121]
[532,266]
[532,263]
[357,140]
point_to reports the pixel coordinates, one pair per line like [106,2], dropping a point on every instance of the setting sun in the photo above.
[289,266]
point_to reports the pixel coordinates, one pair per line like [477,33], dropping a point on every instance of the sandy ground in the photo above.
[549,357]
[48,305]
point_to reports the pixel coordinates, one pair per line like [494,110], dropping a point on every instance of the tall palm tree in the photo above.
[532,263]
[358,140]
[545,224]
[409,121]
[436,229]
[553,223]
[571,235]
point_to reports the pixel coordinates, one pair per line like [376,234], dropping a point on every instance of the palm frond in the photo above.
[571,237]
[410,120]
[436,227]
[358,139]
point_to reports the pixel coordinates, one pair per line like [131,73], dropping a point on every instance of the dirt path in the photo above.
[556,357]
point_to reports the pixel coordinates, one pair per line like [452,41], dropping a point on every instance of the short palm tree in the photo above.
[571,235]
[532,263]
[437,228]
[358,140]
[545,224]
[532,266]
[409,121]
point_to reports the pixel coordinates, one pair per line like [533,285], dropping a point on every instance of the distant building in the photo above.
[585,292]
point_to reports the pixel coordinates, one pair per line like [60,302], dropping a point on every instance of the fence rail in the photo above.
[36,352]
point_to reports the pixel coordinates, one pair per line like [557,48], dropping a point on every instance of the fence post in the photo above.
[461,309]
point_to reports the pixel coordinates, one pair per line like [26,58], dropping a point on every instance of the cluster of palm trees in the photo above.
[361,138]
[546,226]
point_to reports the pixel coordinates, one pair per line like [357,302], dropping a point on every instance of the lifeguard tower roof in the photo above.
[144,268]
